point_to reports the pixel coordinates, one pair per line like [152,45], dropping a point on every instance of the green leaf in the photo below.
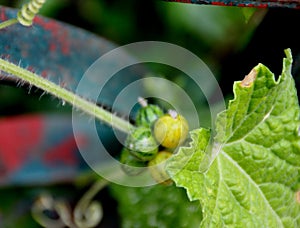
[156,206]
[254,179]
[248,12]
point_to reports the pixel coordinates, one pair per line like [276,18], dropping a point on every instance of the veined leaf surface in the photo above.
[254,180]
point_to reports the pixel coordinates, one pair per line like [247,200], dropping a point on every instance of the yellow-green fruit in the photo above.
[170,131]
[157,168]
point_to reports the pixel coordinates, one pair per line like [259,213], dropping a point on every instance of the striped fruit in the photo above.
[171,130]
[157,168]
[148,114]
[142,144]
[130,164]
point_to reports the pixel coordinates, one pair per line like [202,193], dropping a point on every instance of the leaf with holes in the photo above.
[254,180]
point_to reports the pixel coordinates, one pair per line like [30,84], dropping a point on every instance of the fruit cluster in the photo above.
[153,141]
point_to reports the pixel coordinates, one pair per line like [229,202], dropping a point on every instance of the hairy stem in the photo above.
[66,96]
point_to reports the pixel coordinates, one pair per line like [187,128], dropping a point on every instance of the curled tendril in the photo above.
[44,206]
[28,11]
[25,15]
[87,213]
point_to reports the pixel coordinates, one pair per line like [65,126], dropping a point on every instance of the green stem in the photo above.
[8,23]
[89,195]
[88,213]
[66,96]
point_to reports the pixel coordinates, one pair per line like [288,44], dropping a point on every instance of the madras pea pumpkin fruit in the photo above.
[142,144]
[130,164]
[147,114]
[157,168]
[171,130]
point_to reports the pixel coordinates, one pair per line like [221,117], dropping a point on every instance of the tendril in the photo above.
[28,12]
[8,23]
[25,15]
[89,213]
[52,213]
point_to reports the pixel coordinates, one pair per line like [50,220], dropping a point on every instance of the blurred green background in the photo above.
[230,40]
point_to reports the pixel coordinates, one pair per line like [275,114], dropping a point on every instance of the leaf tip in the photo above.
[287,62]
[249,79]
[288,54]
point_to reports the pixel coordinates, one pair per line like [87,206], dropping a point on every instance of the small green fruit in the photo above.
[147,114]
[130,164]
[142,144]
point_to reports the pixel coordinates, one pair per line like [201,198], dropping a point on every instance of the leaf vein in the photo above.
[254,184]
